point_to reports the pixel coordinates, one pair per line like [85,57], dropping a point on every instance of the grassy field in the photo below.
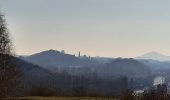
[61,98]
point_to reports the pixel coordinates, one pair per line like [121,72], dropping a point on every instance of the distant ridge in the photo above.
[154,56]
[53,59]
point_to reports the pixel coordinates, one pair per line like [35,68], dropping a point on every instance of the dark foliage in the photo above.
[160,93]
[8,71]
[42,91]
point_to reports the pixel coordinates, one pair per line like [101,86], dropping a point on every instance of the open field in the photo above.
[61,98]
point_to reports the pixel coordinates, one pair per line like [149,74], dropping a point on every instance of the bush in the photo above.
[42,91]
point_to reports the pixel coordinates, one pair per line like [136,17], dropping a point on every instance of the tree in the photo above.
[8,71]
[128,95]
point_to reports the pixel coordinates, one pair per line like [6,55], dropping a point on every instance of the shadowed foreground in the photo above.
[61,98]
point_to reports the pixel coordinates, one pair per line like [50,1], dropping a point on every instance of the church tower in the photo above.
[79,54]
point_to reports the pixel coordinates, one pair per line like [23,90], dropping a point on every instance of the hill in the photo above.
[154,56]
[123,67]
[53,59]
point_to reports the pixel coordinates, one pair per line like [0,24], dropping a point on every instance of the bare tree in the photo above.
[8,71]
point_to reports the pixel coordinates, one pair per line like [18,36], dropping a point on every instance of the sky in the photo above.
[110,28]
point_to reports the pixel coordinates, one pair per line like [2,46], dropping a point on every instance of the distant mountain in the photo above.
[154,56]
[123,67]
[52,59]
[59,61]
[58,70]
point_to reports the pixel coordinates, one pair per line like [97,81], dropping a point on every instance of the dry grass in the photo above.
[61,98]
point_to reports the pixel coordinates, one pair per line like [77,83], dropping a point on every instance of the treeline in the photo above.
[82,86]
[38,82]
[68,85]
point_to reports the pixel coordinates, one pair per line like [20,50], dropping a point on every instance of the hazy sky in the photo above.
[111,28]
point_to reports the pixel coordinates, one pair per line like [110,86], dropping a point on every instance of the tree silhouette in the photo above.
[8,71]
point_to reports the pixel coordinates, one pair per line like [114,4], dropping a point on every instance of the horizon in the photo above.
[104,28]
[155,53]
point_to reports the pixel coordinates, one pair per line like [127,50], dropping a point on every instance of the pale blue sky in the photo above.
[111,28]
